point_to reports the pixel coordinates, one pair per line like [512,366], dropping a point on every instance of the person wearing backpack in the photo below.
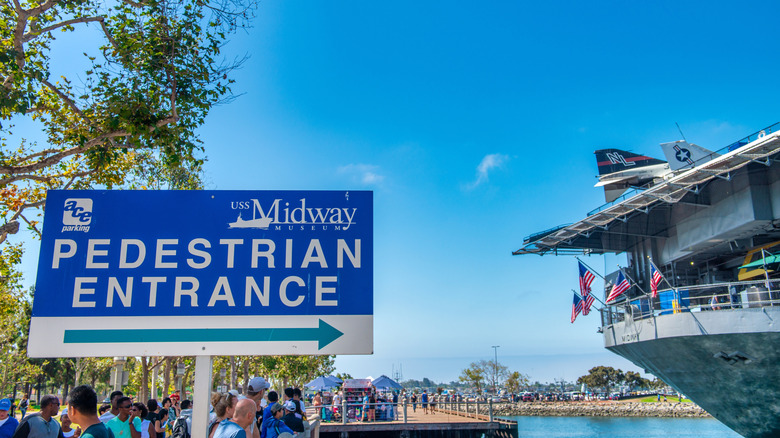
[183,425]
[275,425]
[290,419]
[23,405]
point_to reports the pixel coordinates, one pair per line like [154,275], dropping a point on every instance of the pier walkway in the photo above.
[445,422]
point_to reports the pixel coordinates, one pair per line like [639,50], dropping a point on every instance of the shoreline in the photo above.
[601,409]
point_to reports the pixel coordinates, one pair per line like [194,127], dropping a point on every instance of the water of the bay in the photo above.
[645,427]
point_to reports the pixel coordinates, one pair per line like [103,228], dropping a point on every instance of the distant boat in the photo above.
[261,223]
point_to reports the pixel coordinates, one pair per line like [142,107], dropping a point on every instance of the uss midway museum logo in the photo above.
[77,214]
[284,215]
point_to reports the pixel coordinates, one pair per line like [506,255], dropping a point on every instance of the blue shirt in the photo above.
[229,429]
[276,427]
[9,427]
[267,415]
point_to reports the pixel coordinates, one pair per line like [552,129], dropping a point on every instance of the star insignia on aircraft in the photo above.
[683,155]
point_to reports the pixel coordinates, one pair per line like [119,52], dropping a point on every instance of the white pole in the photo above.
[201,396]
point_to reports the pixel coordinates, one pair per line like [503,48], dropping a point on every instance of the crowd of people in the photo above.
[261,413]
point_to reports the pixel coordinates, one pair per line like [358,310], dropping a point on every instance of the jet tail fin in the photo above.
[615,160]
[684,155]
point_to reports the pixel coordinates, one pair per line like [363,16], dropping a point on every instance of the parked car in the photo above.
[527,396]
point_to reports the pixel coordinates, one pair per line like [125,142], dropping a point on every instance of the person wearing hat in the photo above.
[65,423]
[255,390]
[290,419]
[275,425]
[8,423]
[42,424]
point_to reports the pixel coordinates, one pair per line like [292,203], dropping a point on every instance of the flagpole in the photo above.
[591,294]
[591,269]
[635,283]
[650,259]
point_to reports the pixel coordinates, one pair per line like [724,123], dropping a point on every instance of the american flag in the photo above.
[587,303]
[621,285]
[655,280]
[576,307]
[586,278]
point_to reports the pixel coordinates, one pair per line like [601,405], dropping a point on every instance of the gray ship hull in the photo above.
[726,361]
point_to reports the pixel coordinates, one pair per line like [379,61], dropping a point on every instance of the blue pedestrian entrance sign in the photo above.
[125,273]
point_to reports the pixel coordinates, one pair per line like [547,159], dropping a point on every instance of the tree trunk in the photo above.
[40,381]
[154,379]
[233,376]
[185,379]
[167,377]
[144,390]
[246,375]
[77,378]
[5,375]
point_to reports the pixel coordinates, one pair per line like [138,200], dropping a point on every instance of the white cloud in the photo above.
[366,174]
[488,163]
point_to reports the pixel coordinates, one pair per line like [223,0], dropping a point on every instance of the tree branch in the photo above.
[5,181]
[77,175]
[24,206]
[36,32]
[108,34]
[133,4]
[101,139]
[12,227]
[32,225]
[48,4]
[38,154]
[67,100]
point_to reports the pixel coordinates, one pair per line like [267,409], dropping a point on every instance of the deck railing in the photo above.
[356,411]
[389,411]
[700,298]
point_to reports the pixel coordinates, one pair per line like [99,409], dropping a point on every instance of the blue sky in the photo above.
[475,123]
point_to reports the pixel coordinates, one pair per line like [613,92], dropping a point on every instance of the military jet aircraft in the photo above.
[622,170]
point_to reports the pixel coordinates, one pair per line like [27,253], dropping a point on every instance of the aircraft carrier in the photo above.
[712,229]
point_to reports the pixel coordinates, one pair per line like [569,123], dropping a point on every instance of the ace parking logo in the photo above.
[77,214]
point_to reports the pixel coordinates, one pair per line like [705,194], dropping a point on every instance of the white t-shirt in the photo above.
[105,418]
[144,429]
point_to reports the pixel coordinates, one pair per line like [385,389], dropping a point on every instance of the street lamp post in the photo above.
[495,369]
